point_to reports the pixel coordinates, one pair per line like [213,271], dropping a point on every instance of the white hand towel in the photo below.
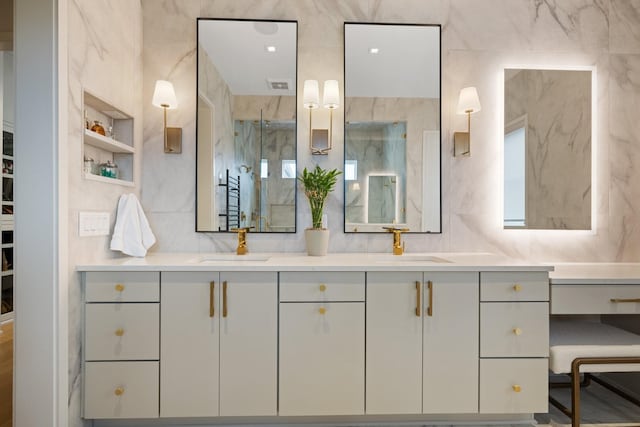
[132,234]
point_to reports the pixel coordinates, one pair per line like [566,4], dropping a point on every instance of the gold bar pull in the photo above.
[625,300]
[418,310]
[430,308]
[224,299]
[212,300]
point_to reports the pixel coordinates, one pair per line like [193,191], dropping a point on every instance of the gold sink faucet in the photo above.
[242,239]
[398,246]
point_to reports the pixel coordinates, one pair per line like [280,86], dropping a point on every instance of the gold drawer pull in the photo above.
[517,331]
[119,332]
[516,388]
[212,299]
[119,287]
[430,308]
[418,299]
[322,310]
[517,287]
[323,287]
[224,299]
[119,391]
[625,300]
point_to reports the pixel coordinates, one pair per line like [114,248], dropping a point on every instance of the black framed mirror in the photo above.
[246,125]
[392,143]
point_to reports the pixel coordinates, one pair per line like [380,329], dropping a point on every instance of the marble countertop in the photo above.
[595,273]
[302,262]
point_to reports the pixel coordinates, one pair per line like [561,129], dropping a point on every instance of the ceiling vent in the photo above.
[279,84]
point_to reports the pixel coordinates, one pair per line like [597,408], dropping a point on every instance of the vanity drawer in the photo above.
[321,286]
[517,329]
[514,286]
[595,299]
[513,386]
[121,390]
[121,286]
[122,331]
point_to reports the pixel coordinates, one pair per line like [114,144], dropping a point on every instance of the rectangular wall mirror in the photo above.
[246,125]
[548,148]
[392,127]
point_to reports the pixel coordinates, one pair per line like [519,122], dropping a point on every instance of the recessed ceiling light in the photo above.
[270,49]
[374,50]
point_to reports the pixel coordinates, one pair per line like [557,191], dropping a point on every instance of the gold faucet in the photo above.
[242,239]
[398,246]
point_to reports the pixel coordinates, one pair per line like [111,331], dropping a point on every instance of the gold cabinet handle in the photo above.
[119,332]
[430,307]
[323,287]
[625,300]
[418,299]
[517,331]
[516,388]
[212,299]
[119,391]
[119,287]
[322,310]
[224,299]
[517,287]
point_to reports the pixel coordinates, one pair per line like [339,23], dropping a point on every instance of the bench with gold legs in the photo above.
[586,347]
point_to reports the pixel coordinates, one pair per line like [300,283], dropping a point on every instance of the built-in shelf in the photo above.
[108,144]
[117,146]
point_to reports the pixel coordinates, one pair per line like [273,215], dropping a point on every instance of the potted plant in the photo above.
[317,183]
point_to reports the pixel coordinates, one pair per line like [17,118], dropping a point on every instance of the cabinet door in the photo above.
[249,344]
[450,370]
[394,343]
[189,349]
[322,358]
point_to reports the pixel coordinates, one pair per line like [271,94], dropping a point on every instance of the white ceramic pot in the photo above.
[317,241]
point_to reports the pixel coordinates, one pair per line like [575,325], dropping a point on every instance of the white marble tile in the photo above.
[624,26]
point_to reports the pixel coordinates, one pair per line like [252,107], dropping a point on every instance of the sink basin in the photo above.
[232,258]
[412,258]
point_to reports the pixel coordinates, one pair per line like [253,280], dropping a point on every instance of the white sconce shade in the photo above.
[331,95]
[468,101]
[164,95]
[311,94]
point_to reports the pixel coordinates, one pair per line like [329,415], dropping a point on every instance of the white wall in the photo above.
[478,40]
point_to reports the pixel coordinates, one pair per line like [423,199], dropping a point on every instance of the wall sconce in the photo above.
[468,103]
[320,140]
[165,97]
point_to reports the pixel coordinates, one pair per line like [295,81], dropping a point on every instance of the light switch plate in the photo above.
[93,224]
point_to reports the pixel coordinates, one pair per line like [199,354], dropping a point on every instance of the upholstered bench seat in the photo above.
[572,339]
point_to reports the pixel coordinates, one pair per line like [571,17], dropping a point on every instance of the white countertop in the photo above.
[302,262]
[595,273]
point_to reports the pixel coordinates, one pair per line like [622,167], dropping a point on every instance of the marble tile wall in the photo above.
[478,40]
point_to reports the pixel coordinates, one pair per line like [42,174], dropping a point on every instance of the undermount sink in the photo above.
[232,258]
[412,258]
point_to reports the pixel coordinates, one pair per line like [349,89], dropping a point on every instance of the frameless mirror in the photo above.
[392,127]
[547,149]
[246,125]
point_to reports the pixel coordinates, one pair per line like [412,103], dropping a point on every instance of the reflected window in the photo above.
[514,175]
[350,170]
[288,169]
[264,168]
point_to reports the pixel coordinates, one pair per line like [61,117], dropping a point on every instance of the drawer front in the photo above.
[595,299]
[321,286]
[514,329]
[510,386]
[122,286]
[122,331]
[514,286]
[121,390]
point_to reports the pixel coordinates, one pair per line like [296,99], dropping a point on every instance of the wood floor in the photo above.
[6,373]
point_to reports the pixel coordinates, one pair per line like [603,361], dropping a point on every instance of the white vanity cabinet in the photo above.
[121,345]
[422,337]
[321,337]
[218,344]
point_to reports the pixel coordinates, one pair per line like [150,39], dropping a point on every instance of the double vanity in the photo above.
[457,337]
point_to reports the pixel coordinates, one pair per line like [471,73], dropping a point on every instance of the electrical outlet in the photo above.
[93,224]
